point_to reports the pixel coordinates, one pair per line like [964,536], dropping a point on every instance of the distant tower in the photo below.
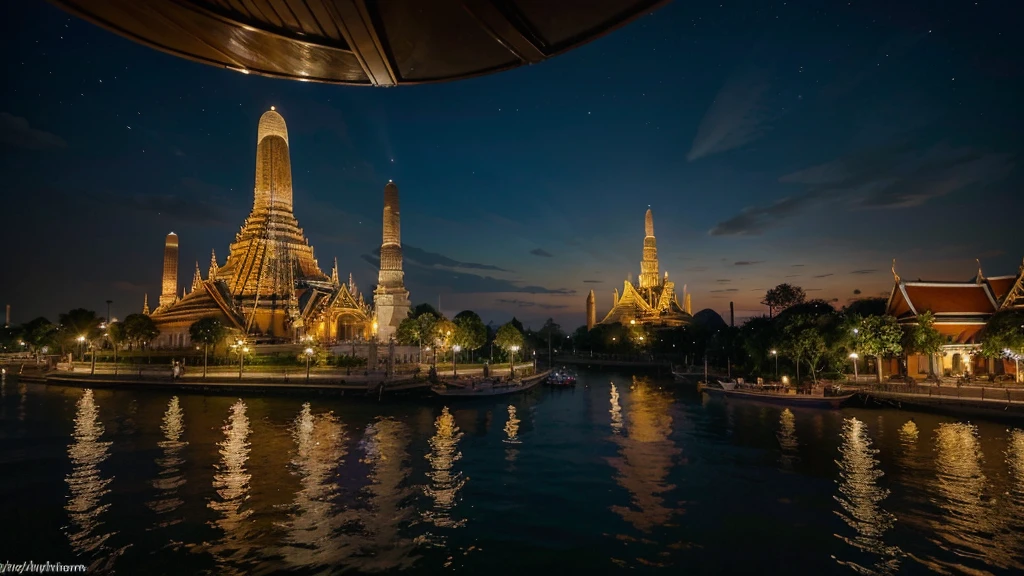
[591,310]
[197,279]
[169,291]
[390,299]
[145,304]
[649,265]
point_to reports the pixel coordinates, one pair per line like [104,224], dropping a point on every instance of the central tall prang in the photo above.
[270,253]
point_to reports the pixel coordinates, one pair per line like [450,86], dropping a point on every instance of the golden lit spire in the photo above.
[649,277]
[145,304]
[981,277]
[212,274]
[895,276]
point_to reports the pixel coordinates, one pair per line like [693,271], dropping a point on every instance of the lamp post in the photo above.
[776,354]
[853,356]
[535,360]
[309,355]
[92,356]
[455,368]
[242,350]
[81,352]
[512,362]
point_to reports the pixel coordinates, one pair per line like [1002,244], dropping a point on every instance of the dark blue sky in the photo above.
[808,142]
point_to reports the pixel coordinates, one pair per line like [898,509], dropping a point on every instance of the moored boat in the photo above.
[489,387]
[731,390]
[561,378]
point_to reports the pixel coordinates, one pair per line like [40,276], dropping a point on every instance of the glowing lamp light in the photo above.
[515,348]
[309,351]
[775,352]
[854,355]
[785,379]
[457,348]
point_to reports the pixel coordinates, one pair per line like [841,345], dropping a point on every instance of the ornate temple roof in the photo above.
[367,42]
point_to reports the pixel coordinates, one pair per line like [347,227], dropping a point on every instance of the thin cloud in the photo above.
[866,271]
[824,275]
[748,262]
[897,175]
[736,117]
[15,131]
[526,304]
[727,290]
[723,281]
[460,281]
[432,259]
[541,252]
[593,281]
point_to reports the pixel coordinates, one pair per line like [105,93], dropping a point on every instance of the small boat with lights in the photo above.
[488,386]
[562,378]
[826,398]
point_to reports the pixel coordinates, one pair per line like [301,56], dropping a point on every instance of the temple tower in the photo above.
[649,265]
[169,286]
[270,254]
[591,310]
[390,299]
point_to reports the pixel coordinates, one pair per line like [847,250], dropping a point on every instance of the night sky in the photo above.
[807,142]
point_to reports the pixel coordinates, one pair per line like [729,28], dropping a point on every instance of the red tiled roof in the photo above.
[949,298]
[1001,286]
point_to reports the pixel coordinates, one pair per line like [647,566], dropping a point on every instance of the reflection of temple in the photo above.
[645,458]
[788,443]
[313,530]
[88,487]
[445,483]
[170,478]
[961,310]
[271,286]
[383,544]
[512,434]
[860,498]
[231,482]
[652,299]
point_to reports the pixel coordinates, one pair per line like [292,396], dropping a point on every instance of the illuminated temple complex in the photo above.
[271,288]
[651,300]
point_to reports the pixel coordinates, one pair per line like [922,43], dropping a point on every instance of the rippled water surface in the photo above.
[618,474]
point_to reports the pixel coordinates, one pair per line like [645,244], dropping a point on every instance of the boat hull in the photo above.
[781,399]
[487,392]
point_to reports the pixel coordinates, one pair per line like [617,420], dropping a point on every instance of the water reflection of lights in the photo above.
[445,483]
[787,439]
[170,478]
[231,482]
[973,526]
[383,546]
[512,434]
[646,456]
[88,487]
[616,411]
[313,537]
[860,500]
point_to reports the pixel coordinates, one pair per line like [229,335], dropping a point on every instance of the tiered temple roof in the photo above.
[271,285]
[961,309]
[653,299]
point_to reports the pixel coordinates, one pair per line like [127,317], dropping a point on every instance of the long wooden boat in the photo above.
[491,387]
[729,390]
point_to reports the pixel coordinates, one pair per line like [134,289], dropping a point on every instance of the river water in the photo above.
[618,474]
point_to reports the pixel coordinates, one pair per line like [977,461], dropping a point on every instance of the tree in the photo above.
[783,296]
[207,331]
[470,331]
[923,338]
[407,333]
[806,341]
[443,330]
[509,338]
[116,335]
[757,338]
[551,331]
[140,329]
[880,336]
[75,324]
[422,309]
[38,334]
[867,307]
[1003,336]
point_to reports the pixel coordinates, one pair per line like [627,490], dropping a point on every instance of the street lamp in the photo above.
[512,362]
[309,355]
[242,351]
[853,356]
[776,354]
[81,354]
[535,361]
[455,368]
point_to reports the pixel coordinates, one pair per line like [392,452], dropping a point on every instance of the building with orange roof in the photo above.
[961,310]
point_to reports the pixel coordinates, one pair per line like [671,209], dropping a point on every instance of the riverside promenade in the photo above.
[968,399]
[222,379]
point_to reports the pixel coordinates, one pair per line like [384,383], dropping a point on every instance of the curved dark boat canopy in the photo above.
[362,42]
